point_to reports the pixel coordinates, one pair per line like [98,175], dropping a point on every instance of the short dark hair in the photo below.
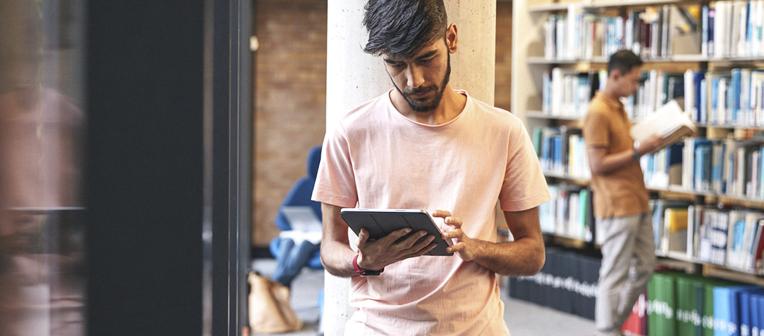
[401,27]
[623,60]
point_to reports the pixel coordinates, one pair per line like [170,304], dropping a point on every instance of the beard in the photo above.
[429,105]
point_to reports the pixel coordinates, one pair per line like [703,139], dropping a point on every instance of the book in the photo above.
[661,294]
[689,311]
[636,323]
[675,230]
[669,122]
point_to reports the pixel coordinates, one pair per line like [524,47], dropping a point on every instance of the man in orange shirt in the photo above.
[620,196]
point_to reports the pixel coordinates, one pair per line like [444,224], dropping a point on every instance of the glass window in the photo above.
[42,267]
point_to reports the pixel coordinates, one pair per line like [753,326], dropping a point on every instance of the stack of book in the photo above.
[570,35]
[733,29]
[728,166]
[568,213]
[669,225]
[568,93]
[725,97]
[567,283]
[651,32]
[681,304]
[561,150]
[729,238]
[663,168]
[656,89]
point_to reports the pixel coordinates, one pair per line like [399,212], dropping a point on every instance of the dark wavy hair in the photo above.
[401,27]
[623,60]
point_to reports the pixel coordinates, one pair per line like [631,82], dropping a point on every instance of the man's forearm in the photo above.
[616,161]
[524,256]
[337,259]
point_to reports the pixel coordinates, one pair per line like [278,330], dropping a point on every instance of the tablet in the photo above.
[381,222]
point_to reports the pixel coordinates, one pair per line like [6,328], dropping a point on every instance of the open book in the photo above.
[669,122]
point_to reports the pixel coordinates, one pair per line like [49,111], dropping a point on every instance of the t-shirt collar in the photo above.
[394,111]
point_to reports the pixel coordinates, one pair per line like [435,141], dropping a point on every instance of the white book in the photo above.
[571,30]
[738,20]
[753,188]
[757,81]
[757,35]
[573,215]
[687,163]
[704,31]
[751,223]
[740,174]
[719,37]
[557,91]
[549,27]
[689,93]
[729,30]
[745,96]
[743,45]
[669,122]
[721,101]
[560,37]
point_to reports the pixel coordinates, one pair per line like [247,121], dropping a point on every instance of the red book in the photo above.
[636,324]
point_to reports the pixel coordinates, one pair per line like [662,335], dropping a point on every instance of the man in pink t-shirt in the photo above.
[424,145]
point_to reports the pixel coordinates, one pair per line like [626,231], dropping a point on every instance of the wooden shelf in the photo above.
[542,115]
[721,272]
[596,4]
[550,7]
[730,126]
[547,116]
[541,60]
[722,198]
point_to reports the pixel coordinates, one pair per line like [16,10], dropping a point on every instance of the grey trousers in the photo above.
[628,260]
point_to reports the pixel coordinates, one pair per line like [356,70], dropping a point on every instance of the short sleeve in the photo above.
[524,186]
[335,181]
[596,130]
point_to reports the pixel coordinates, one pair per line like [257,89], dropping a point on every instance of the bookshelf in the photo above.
[541,60]
[673,192]
[595,4]
[577,121]
[532,62]
[720,272]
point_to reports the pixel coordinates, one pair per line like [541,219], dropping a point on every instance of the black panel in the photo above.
[145,166]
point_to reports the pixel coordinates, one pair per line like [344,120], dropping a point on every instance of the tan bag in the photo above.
[269,308]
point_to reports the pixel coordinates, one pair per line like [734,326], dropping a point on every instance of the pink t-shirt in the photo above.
[377,158]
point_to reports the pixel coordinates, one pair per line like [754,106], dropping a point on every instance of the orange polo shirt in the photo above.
[621,192]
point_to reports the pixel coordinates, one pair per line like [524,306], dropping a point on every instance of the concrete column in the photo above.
[353,77]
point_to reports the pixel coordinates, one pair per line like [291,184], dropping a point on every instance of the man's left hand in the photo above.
[464,245]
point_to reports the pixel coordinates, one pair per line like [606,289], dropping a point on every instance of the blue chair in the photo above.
[299,195]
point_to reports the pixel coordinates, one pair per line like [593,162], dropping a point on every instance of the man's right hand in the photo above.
[375,255]
[649,145]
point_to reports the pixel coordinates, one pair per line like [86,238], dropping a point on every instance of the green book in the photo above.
[583,213]
[708,309]
[707,321]
[689,302]
[537,131]
[661,316]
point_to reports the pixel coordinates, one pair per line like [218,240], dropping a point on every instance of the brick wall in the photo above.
[289,101]
[290,88]
[503,54]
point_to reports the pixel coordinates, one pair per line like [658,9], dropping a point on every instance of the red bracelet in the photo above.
[364,272]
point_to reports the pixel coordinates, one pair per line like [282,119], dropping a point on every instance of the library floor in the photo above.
[523,319]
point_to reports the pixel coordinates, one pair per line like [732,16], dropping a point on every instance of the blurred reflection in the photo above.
[41,232]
